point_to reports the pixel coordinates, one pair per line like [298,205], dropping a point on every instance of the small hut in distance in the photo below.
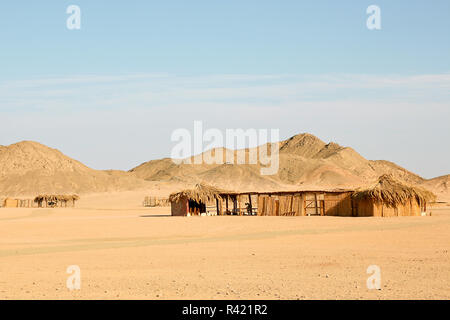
[391,198]
[195,201]
[41,201]
[16,203]
[53,201]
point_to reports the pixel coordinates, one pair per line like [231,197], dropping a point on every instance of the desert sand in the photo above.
[126,251]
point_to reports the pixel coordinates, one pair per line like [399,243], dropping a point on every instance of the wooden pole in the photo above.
[250,204]
[217,206]
[226,205]
[322,208]
[316,204]
[238,204]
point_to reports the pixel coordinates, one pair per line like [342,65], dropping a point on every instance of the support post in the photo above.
[226,205]
[238,200]
[316,203]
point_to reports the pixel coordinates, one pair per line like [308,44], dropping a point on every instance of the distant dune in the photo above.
[440,186]
[28,168]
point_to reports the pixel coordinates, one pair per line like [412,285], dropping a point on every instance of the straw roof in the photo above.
[56,197]
[393,192]
[201,193]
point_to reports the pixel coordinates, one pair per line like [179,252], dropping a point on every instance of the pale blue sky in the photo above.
[111,93]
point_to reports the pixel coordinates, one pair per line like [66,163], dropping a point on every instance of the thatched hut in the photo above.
[195,201]
[53,201]
[389,197]
[204,199]
[386,198]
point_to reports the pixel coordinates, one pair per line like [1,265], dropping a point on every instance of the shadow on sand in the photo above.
[156,216]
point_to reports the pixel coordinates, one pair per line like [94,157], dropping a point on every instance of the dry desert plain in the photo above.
[126,251]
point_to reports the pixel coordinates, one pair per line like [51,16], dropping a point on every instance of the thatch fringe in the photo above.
[201,193]
[56,197]
[392,192]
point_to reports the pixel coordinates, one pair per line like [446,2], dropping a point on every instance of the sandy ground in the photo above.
[142,253]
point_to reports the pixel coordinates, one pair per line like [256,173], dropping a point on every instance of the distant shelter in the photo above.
[16,203]
[202,199]
[53,201]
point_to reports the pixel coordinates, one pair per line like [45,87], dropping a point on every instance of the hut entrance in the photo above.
[196,208]
[315,204]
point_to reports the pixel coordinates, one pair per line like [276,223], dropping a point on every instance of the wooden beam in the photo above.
[238,200]
[316,203]
[226,205]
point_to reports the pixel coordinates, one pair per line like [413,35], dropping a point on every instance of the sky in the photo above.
[111,93]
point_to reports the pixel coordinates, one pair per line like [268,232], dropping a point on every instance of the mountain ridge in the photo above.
[29,167]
